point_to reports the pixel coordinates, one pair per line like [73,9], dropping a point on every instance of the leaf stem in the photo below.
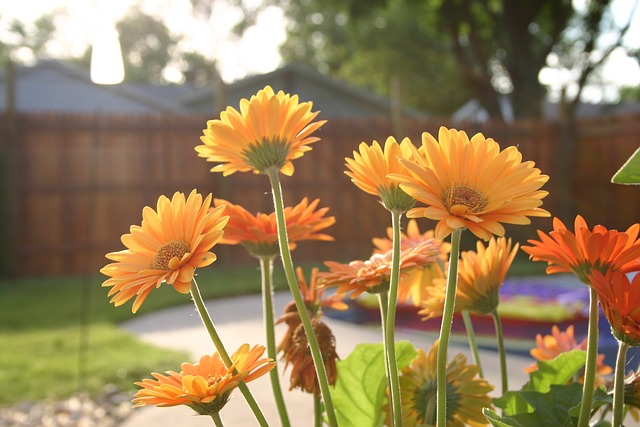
[618,385]
[266,269]
[445,329]
[217,342]
[590,365]
[287,263]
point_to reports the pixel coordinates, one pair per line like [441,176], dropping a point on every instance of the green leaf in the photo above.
[629,173]
[552,408]
[359,393]
[600,398]
[497,421]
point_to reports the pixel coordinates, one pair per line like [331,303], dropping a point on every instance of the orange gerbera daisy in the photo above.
[620,301]
[471,183]
[270,130]
[373,275]
[586,250]
[205,386]
[467,395]
[412,285]
[168,246]
[480,276]
[259,233]
[369,169]
[551,346]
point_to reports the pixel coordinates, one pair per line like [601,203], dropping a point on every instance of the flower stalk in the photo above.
[217,421]
[592,357]
[390,321]
[501,350]
[445,329]
[266,269]
[473,345]
[217,342]
[287,263]
[618,385]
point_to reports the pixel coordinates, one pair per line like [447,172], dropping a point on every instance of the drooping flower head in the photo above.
[413,284]
[480,277]
[620,300]
[259,233]
[369,169]
[549,347]
[294,341]
[168,246]
[270,130]
[584,250]
[471,183]
[205,386]
[467,394]
[373,275]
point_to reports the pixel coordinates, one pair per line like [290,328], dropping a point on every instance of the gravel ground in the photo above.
[109,409]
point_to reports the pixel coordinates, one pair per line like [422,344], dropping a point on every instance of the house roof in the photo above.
[330,96]
[53,85]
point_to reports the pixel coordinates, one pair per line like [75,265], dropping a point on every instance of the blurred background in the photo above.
[103,102]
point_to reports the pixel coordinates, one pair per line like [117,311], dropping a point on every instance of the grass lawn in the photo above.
[46,353]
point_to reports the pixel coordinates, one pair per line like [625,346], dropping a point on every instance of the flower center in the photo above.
[464,195]
[175,248]
[425,400]
[268,152]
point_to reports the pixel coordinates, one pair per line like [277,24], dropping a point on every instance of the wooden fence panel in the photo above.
[82,180]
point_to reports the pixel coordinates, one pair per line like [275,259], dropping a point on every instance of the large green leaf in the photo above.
[629,173]
[359,393]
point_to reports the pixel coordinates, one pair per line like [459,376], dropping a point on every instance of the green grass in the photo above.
[44,324]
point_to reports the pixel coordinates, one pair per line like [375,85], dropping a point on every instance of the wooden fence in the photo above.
[78,182]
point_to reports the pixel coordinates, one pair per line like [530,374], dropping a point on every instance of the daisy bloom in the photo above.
[270,130]
[584,250]
[471,183]
[620,301]
[369,169]
[259,233]
[480,276]
[168,246]
[467,394]
[205,386]
[373,275]
[549,347]
[413,284]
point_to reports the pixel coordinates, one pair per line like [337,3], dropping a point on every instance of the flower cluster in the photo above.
[461,183]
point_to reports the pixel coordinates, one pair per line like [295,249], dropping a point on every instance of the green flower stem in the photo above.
[217,342]
[383,302]
[266,269]
[618,385]
[317,411]
[473,345]
[502,351]
[217,420]
[390,321]
[287,263]
[445,329]
[590,365]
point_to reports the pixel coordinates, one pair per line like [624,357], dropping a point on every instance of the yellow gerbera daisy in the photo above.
[471,183]
[168,246]
[369,169]
[480,276]
[270,130]
[467,394]
[205,386]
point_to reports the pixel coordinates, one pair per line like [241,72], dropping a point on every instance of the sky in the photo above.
[257,51]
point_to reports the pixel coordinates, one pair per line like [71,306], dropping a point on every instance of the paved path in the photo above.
[239,320]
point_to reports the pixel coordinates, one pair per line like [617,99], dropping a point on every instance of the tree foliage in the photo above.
[484,49]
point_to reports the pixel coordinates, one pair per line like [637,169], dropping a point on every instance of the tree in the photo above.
[27,39]
[499,46]
[395,42]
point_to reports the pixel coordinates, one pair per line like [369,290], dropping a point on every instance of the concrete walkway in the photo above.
[239,320]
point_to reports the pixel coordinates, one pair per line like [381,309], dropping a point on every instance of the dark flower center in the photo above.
[175,248]
[464,195]
[425,401]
